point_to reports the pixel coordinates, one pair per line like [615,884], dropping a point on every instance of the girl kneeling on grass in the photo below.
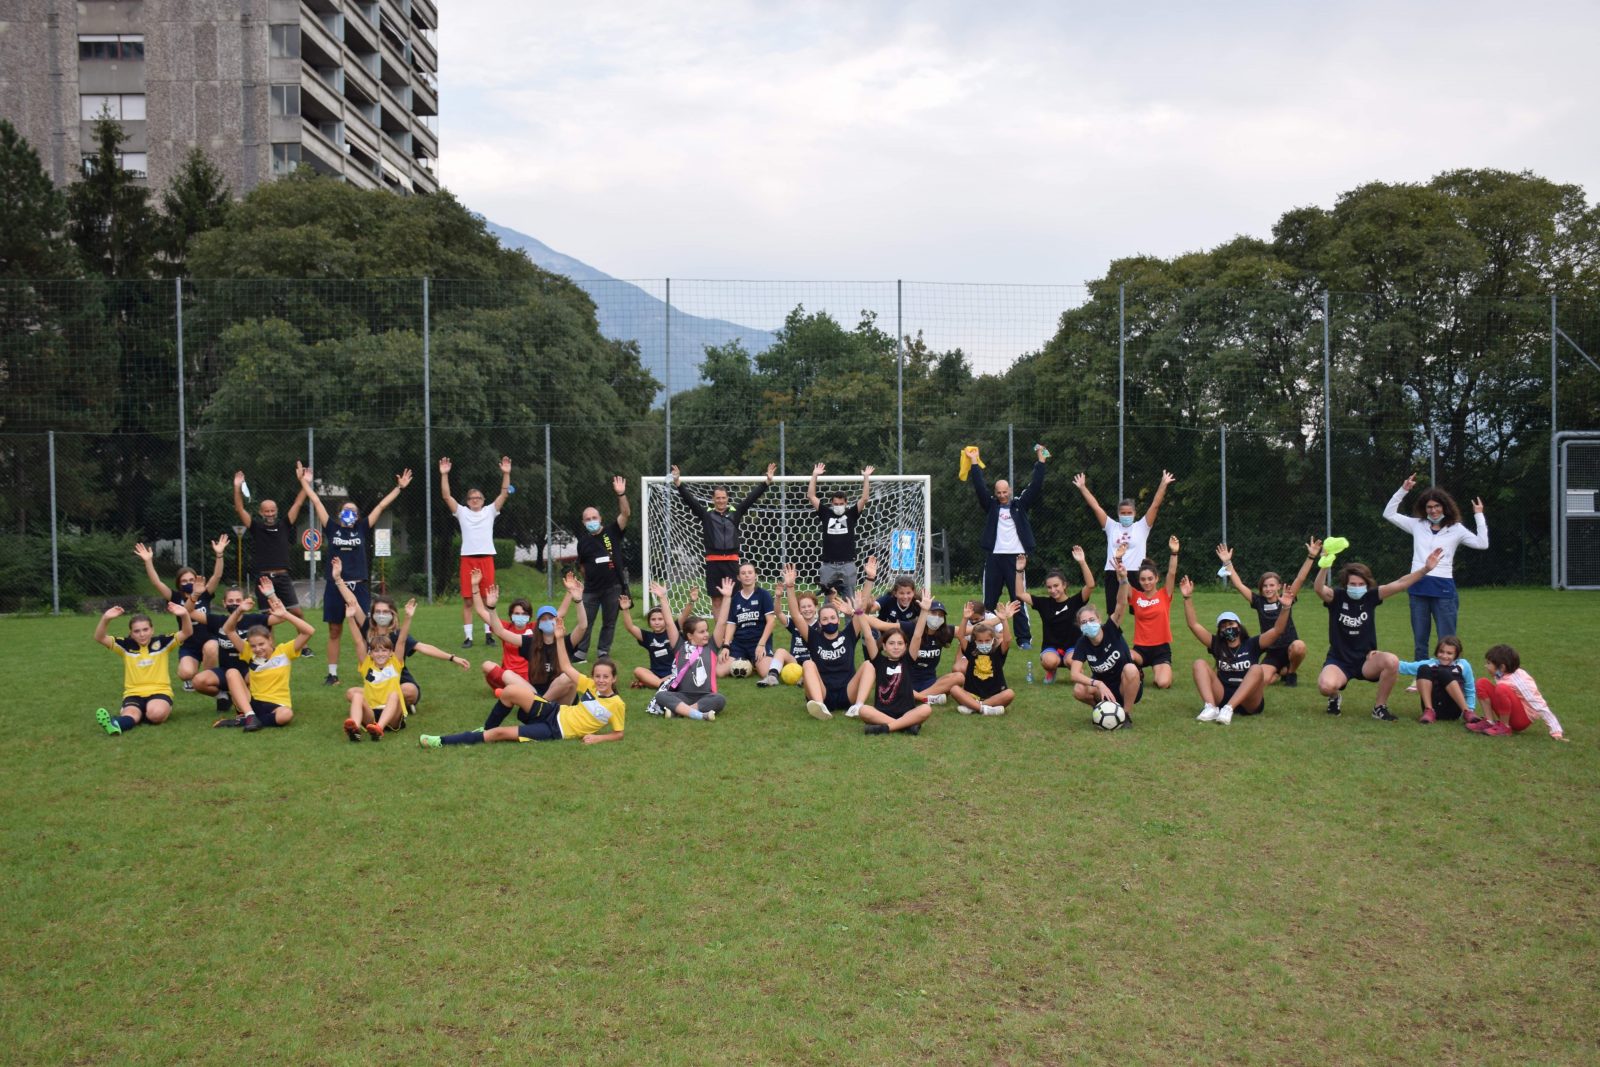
[1101,666]
[1511,697]
[895,707]
[598,715]
[379,704]
[1238,681]
[1353,652]
[267,692]
[146,689]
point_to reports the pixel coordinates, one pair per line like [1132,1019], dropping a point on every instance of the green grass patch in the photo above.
[1290,889]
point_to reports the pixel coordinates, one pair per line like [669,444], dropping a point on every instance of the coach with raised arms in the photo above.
[1006,534]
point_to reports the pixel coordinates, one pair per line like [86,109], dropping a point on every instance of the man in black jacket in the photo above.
[719,525]
[1007,533]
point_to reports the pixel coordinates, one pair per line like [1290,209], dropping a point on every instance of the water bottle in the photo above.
[1030,672]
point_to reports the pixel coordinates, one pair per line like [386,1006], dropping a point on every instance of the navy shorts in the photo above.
[139,702]
[1117,689]
[1155,655]
[1227,698]
[836,697]
[1352,671]
[282,587]
[194,648]
[1277,656]
[333,608]
[739,650]
[265,709]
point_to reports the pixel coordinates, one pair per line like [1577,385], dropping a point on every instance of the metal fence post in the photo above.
[1224,464]
[427,436]
[666,372]
[311,553]
[1011,454]
[1555,517]
[55,557]
[1122,355]
[1327,420]
[1433,457]
[783,507]
[549,522]
[899,378]
[183,441]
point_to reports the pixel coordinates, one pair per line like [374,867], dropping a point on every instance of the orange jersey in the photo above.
[1152,616]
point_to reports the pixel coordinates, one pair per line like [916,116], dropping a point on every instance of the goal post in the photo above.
[781,527]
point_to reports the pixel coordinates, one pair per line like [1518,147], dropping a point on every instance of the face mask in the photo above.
[830,628]
[382,618]
[1091,629]
[1229,633]
[593,526]
[347,515]
[520,619]
[1126,520]
[187,587]
[935,621]
[838,509]
[1355,592]
[548,626]
[985,646]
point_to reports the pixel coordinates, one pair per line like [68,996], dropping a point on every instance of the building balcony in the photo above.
[315,35]
[424,14]
[321,153]
[424,99]
[423,53]
[320,97]
[359,31]
[425,139]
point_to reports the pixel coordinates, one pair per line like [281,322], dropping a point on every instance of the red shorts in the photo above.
[476,563]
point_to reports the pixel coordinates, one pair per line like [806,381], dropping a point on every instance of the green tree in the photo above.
[195,200]
[109,213]
[33,214]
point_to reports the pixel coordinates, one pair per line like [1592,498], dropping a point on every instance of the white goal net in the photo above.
[782,528]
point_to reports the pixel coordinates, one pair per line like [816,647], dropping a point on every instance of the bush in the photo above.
[97,565]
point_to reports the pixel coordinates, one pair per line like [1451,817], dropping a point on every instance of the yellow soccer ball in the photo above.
[791,674]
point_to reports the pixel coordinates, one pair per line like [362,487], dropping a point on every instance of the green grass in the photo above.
[1290,889]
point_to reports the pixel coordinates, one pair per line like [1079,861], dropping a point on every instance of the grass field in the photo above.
[766,888]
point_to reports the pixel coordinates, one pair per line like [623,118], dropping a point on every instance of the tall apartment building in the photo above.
[347,87]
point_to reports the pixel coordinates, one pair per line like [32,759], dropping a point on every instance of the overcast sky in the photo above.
[963,142]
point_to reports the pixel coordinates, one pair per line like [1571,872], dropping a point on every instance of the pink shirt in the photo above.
[1528,690]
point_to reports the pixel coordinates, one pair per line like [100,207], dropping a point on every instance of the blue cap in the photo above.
[544,610]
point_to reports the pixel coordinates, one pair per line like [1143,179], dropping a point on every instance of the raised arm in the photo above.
[811,486]
[149,557]
[619,486]
[1201,634]
[1281,625]
[1081,480]
[1479,539]
[625,607]
[563,661]
[694,504]
[444,485]
[1005,613]
[304,629]
[1022,580]
[405,628]
[1035,485]
[220,548]
[1225,554]
[505,484]
[924,605]
[302,477]
[859,619]
[1391,510]
[1321,587]
[1387,591]
[575,596]
[1313,550]
[1172,564]
[801,627]
[100,634]
[1121,610]
[185,623]
[230,625]
[401,481]
[866,488]
[725,596]
[357,632]
[980,487]
[755,494]
[489,618]
[238,499]
[1083,565]
[1158,499]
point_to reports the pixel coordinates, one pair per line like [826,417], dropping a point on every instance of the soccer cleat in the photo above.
[467,643]
[306,653]
[914,729]
[351,730]
[1207,714]
[374,731]
[1499,729]
[330,679]
[1480,726]
[853,711]
[580,657]
[250,724]
[1469,718]
[1291,680]
[769,679]
[188,686]
[237,720]
[875,728]
[430,741]
[1049,677]
[1333,705]
[991,709]
[224,705]
[1427,716]
[818,710]
[1225,714]
[107,722]
[1026,646]
[937,699]
[489,639]
[1382,713]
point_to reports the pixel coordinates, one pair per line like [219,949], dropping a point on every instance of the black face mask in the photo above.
[1230,633]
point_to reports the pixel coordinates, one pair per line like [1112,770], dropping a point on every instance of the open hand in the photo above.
[619,485]
[819,470]
[411,607]
[113,611]
[505,464]
[444,465]
[1224,553]
[220,545]
[658,590]
[1433,559]
[1077,553]
[1172,544]
[403,479]
[1314,547]
[1167,478]
[142,552]
[866,472]
[625,602]
[238,479]
[676,476]
[1186,587]
[337,567]
[772,469]
[174,608]
[725,587]
[265,586]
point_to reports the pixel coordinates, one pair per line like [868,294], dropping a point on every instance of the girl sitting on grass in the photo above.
[146,689]
[690,689]
[658,641]
[379,704]
[1511,698]
[1445,683]
[266,693]
[895,707]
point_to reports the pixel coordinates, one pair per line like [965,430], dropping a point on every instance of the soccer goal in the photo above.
[782,528]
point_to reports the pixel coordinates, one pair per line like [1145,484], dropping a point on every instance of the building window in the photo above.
[137,164]
[286,42]
[286,100]
[128,107]
[126,46]
[285,158]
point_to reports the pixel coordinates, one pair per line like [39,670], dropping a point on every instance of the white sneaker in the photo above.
[709,716]
[989,709]
[1208,713]
[963,709]
[937,698]
[653,708]
[1412,688]
[853,711]
[1225,714]
[818,710]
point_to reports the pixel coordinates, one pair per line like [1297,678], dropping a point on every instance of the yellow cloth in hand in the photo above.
[967,461]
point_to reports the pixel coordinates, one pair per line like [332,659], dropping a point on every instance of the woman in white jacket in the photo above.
[1436,524]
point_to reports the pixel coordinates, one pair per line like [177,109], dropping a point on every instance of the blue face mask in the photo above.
[548,626]
[520,619]
[593,526]
[1355,592]
[985,647]
[1091,629]
[830,628]
[1126,520]
[347,515]
[187,587]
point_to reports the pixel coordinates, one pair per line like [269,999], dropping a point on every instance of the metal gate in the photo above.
[1577,540]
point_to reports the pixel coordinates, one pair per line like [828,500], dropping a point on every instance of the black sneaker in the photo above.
[250,724]
[914,729]
[188,687]
[236,721]
[1382,713]
[467,643]
[488,639]
[306,653]
[332,679]
[1291,680]
[876,728]
[224,705]
[1333,705]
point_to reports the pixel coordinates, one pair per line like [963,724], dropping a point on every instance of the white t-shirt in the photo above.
[1135,537]
[477,529]
[1005,532]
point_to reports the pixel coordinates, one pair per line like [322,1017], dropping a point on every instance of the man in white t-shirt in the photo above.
[1006,534]
[1123,529]
[477,537]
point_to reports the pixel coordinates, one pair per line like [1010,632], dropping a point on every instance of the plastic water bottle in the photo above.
[1030,672]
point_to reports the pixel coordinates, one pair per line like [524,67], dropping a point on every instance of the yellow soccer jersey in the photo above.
[144,667]
[378,684]
[592,714]
[269,678]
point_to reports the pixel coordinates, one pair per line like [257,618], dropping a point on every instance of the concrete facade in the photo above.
[347,87]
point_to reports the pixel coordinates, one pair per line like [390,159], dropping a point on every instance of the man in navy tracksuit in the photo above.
[1006,534]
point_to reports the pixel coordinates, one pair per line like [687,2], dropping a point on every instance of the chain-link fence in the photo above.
[125,408]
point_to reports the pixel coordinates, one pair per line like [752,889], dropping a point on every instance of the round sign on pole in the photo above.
[311,540]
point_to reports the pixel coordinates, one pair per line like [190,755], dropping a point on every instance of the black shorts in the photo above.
[898,712]
[1277,656]
[333,607]
[836,697]
[741,650]
[1154,655]
[139,702]
[1445,707]
[1227,698]
[283,586]
[264,707]
[406,679]
[718,569]
[1117,689]
[1352,672]
[983,688]
[194,648]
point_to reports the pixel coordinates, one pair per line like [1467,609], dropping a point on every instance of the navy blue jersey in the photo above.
[1352,627]
[749,614]
[1267,614]
[1234,663]
[227,655]
[889,610]
[349,545]
[834,656]
[659,649]
[797,647]
[1105,660]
